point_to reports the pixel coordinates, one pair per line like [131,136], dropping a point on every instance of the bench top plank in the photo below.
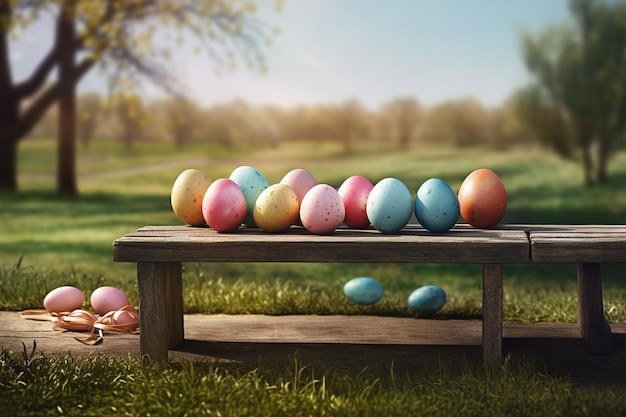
[414,244]
[588,243]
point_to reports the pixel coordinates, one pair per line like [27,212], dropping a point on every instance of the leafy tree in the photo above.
[577,100]
[120,37]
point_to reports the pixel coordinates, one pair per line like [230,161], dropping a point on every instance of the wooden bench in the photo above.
[159,252]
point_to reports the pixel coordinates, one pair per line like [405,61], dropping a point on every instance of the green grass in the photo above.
[48,241]
[68,240]
[100,385]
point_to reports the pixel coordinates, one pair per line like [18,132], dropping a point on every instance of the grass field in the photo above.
[68,240]
[49,241]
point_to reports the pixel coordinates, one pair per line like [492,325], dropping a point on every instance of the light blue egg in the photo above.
[389,205]
[428,299]
[436,206]
[363,290]
[252,183]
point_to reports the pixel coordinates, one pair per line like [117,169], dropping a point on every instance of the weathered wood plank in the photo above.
[492,313]
[577,244]
[594,327]
[461,244]
[160,307]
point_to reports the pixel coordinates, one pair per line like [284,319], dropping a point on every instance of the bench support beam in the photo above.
[594,327]
[160,307]
[492,314]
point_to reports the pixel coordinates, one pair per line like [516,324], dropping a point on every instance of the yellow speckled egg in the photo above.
[276,208]
[187,195]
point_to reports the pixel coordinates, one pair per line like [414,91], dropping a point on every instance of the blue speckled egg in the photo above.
[363,290]
[252,183]
[428,299]
[436,206]
[389,205]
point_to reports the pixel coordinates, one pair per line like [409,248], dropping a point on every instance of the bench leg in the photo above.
[160,307]
[492,314]
[594,328]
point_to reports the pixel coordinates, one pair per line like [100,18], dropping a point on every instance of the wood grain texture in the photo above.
[594,327]
[578,244]
[461,244]
[160,307]
[492,313]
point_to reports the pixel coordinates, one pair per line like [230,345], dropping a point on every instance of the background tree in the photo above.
[132,116]
[351,124]
[90,109]
[577,100]
[180,118]
[119,37]
[402,115]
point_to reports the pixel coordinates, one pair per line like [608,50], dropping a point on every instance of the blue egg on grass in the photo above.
[428,299]
[436,206]
[363,290]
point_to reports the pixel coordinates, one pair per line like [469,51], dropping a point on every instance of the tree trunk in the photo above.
[66,167]
[8,162]
[587,165]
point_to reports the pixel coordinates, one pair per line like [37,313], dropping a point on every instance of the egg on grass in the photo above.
[363,290]
[427,299]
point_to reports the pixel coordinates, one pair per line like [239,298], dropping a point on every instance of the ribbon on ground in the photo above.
[125,320]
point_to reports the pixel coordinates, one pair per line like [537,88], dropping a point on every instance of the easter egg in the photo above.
[427,299]
[63,299]
[276,208]
[363,290]
[436,206]
[300,180]
[106,298]
[224,205]
[187,194]
[252,182]
[482,199]
[389,205]
[322,210]
[354,192]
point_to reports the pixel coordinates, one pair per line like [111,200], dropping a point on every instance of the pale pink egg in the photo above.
[224,205]
[105,299]
[322,210]
[300,180]
[354,192]
[123,317]
[63,299]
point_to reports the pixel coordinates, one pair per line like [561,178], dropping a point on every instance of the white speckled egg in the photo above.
[363,290]
[252,183]
[436,206]
[105,299]
[322,210]
[63,299]
[187,194]
[428,299]
[389,205]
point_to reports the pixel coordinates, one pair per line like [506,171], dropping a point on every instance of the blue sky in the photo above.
[329,51]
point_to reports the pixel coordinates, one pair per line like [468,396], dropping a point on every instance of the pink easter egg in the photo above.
[106,298]
[354,192]
[224,205]
[322,210]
